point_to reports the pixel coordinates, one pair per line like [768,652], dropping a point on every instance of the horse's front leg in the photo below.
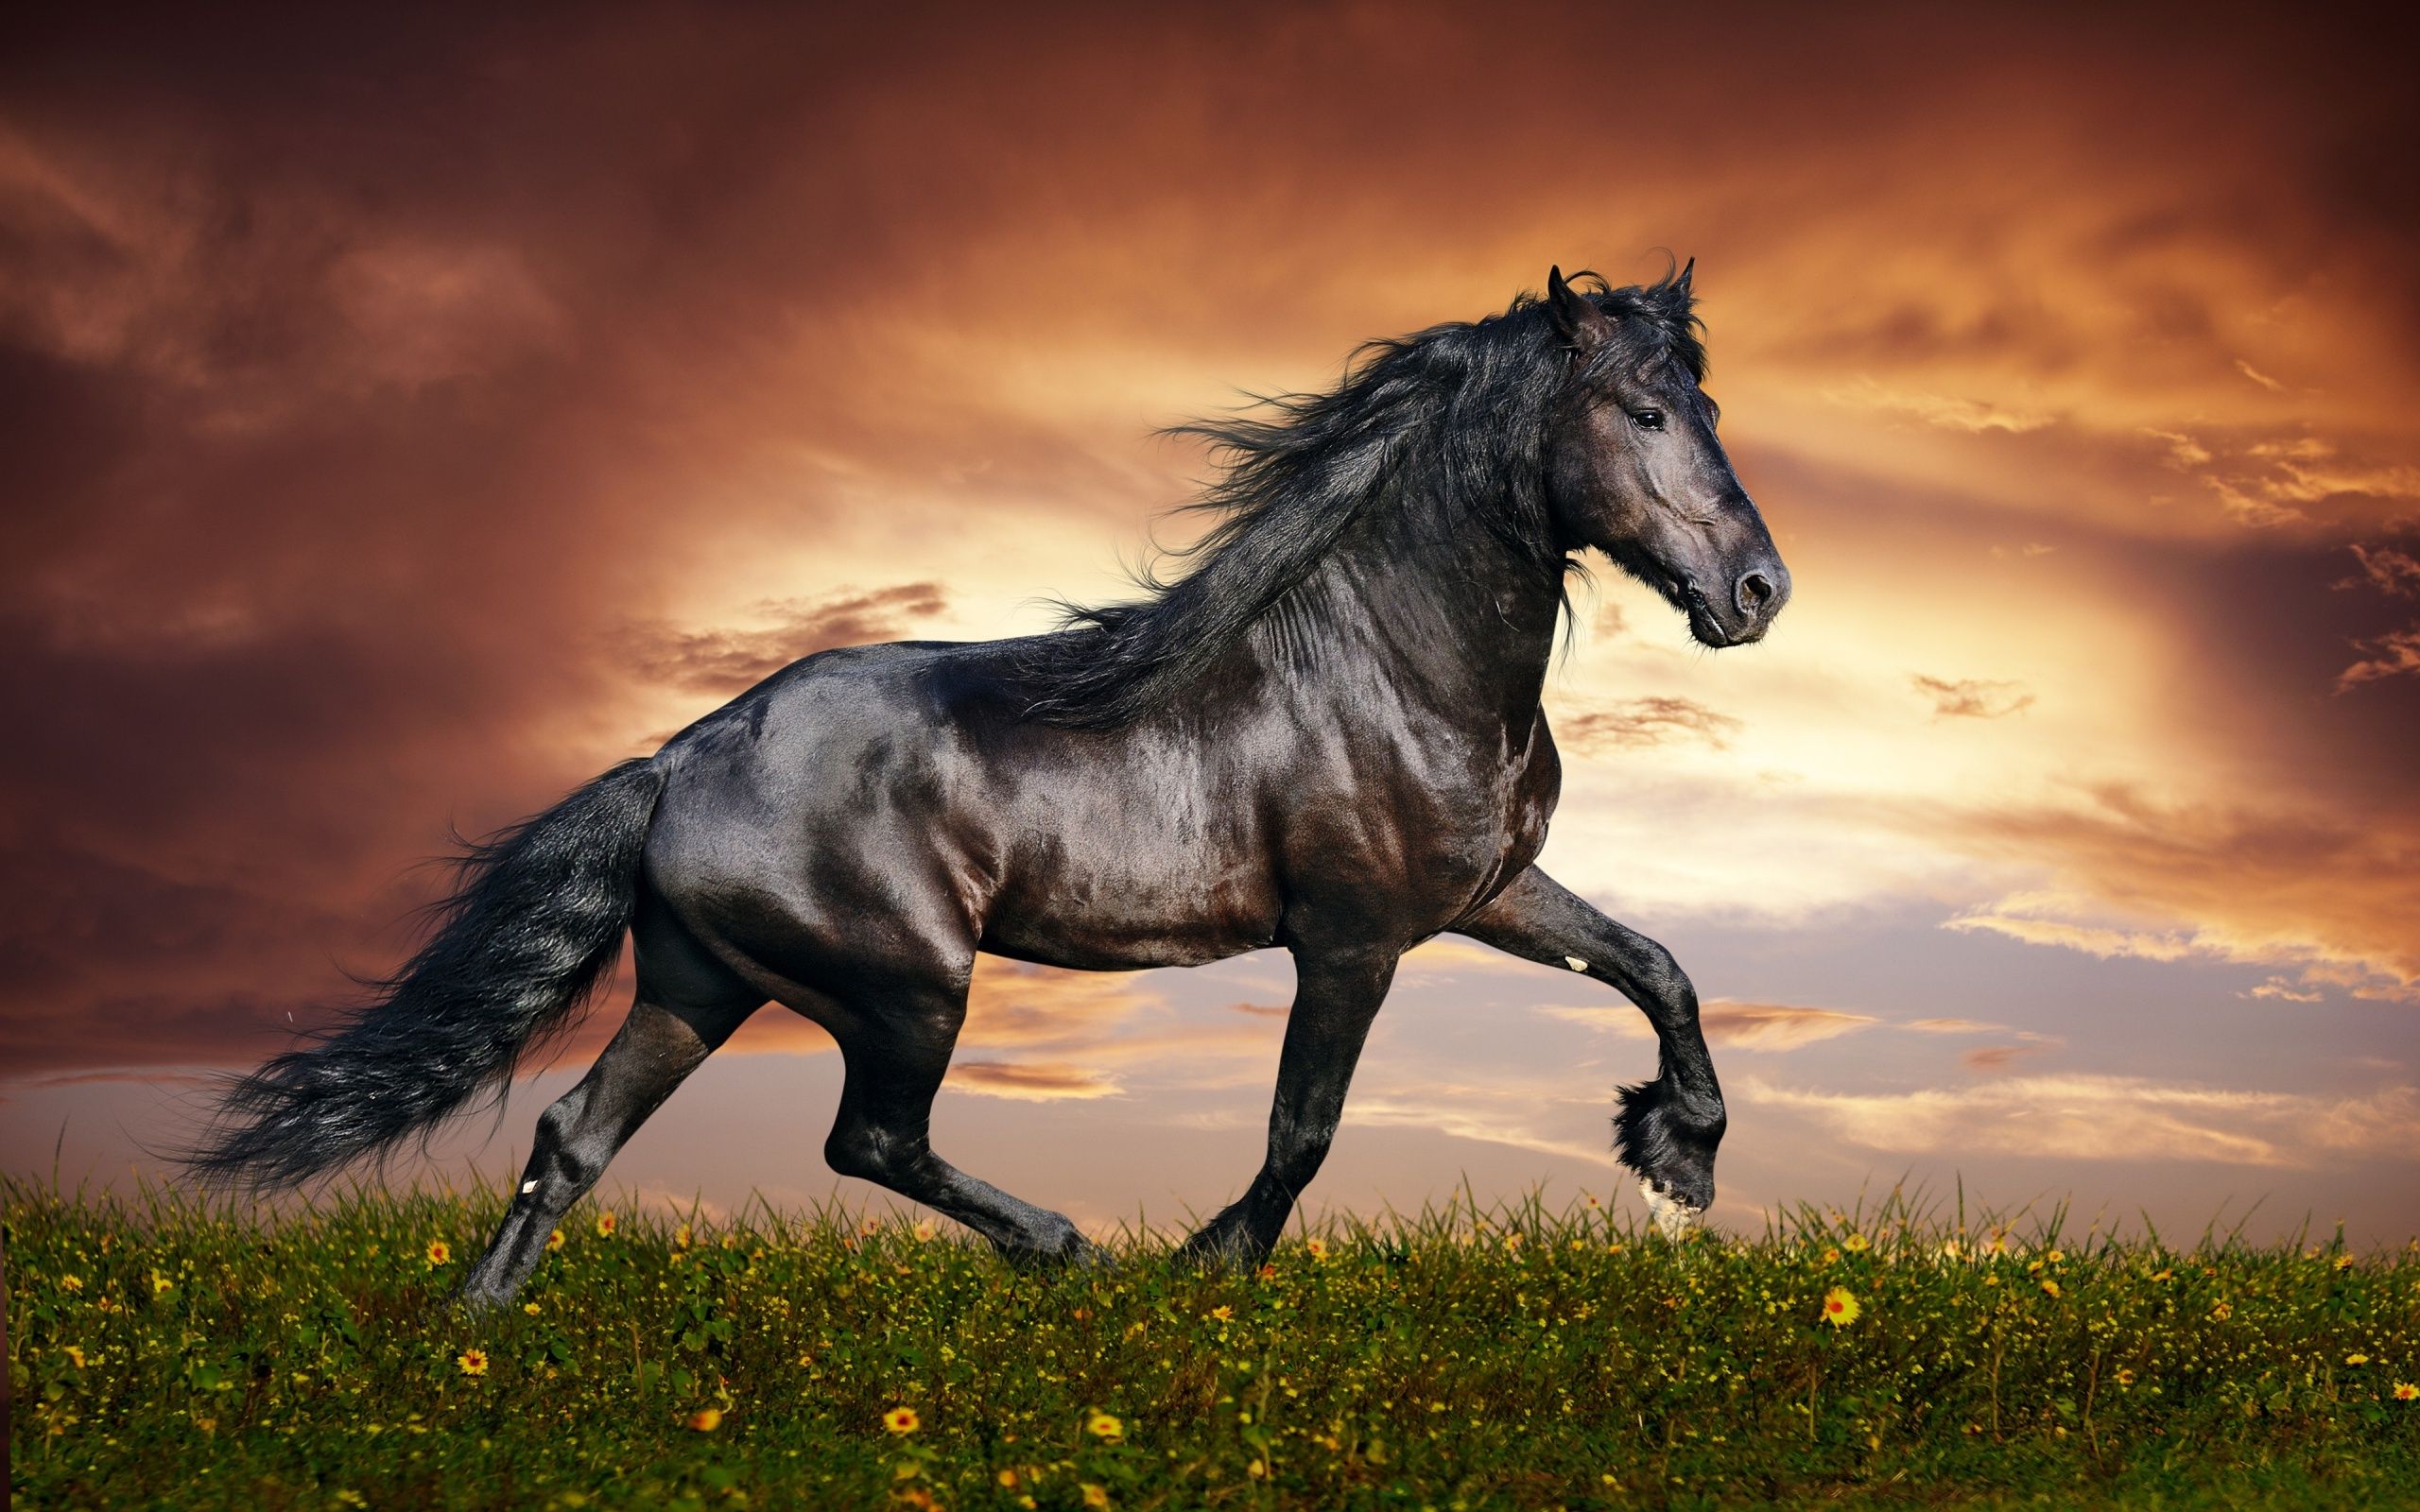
[1667,1129]
[1335,995]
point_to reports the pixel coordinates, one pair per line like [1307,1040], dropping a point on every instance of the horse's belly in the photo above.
[1107,903]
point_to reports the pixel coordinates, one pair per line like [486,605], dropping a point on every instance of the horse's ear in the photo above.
[1582,326]
[1680,284]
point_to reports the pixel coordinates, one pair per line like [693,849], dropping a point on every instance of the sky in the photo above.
[407,416]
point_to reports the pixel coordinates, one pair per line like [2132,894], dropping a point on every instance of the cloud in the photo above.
[2258,377]
[723,661]
[2087,1117]
[2388,569]
[2280,989]
[1997,1057]
[1972,416]
[1646,721]
[1766,1027]
[1030,1081]
[1972,697]
[2392,655]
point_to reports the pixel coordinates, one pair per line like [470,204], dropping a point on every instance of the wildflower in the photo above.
[681,1237]
[2357,1357]
[705,1419]
[2162,1274]
[924,1230]
[1950,1250]
[2056,1256]
[1008,1480]
[2344,1263]
[554,1240]
[71,1283]
[2050,1287]
[2125,1376]
[1594,1203]
[1257,1470]
[2221,1312]
[869,1227]
[902,1421]
[605,1224]
[1317,1248]
[161,1284]
[1840,1308]
[531,1308]
[440,1253]
[1095,1495]
[1831,1253]
[1101,1425]
[76,1353]
[1856,1244]
[1222,1312]
[2406,1391]
[472,1362]
[1267,1272]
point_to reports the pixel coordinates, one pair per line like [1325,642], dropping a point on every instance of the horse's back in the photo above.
[890,801]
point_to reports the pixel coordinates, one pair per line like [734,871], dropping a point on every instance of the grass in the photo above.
[162,1353]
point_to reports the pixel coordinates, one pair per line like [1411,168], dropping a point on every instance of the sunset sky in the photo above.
[405,421]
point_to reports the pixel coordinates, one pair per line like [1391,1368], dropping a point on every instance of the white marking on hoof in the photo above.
[1575,963]
[1673,1219]
[528,1186]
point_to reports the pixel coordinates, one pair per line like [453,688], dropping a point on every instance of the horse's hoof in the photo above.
[1673,1217]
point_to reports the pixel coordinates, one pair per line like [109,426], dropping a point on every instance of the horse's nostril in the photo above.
[1755,592]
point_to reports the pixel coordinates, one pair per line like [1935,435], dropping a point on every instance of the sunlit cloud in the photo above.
[1972,697]
[2088,1117]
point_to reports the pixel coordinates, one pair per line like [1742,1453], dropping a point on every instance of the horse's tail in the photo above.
[535,925]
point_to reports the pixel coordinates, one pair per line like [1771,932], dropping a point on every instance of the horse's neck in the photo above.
[1448,617]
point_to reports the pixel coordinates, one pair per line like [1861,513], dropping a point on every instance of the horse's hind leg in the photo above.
[658,1046]
[896,1056]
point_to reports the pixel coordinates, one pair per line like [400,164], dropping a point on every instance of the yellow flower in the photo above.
[923,1229]
[2125,1376]
[75,1353]
[2162,1274]
[1317,1248]
[440,1252]
[2344,1263]
[161,1284]
[705,1419]
[2406,1391]
[2056,1256]
[71,1283]
[531,1308]
[554,1240]
[1831,1253]
[1840,1308]
[605,1225]
[2222,1312]
[473,1362]
[2357,1357]
[901,1419]
[871,1226]
[2050,1287]
[1856,1244]
[1101,1425]
[1008,1480]
[1095,1495]
[1222,1312]
[681,1237]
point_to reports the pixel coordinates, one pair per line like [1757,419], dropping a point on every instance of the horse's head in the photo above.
[1634,469]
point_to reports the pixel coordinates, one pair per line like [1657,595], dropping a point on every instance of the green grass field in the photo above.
[164,1355]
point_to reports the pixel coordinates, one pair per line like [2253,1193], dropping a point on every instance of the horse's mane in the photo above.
[1466,401]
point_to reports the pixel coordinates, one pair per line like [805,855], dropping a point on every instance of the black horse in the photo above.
[1325,736]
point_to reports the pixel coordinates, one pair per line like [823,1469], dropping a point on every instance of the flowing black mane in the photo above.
[1452,418]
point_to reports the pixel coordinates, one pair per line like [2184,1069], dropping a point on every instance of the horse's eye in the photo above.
[1648,420]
